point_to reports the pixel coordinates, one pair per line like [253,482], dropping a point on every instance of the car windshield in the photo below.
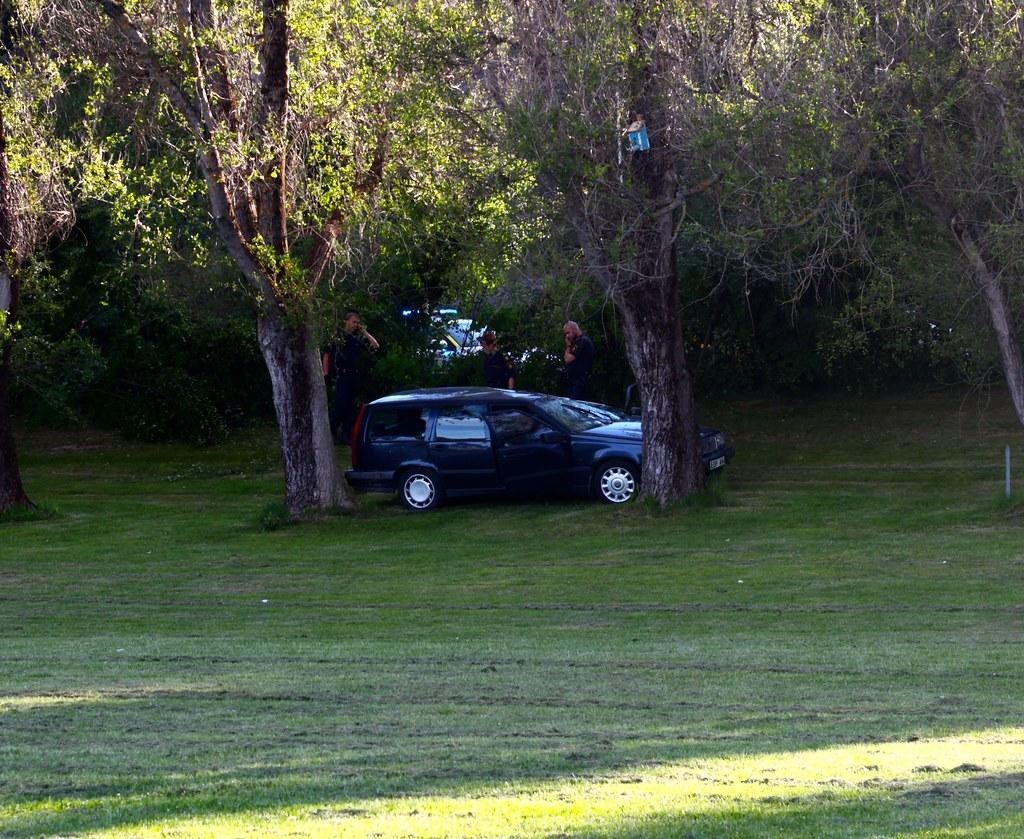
[580,416]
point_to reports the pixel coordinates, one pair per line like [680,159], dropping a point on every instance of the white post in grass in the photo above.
[1007,471]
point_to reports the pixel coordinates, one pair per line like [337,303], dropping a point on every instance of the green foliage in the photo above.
[927,103]
[38,158]
[748,337]
[876,340]
[54,375]
[155,200]
[275,516]
[541,371]
[143,353]
[177,374]
[402,366]
[458,217]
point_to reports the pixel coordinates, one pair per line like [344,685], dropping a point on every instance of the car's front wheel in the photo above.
[616,481]
[419,489]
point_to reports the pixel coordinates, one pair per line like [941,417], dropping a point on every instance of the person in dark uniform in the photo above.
[342,361]
[498,370]
[579,359]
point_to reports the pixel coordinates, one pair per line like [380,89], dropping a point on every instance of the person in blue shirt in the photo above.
[498,370]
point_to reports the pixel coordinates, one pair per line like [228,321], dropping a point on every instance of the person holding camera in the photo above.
[342,361]
[579,359]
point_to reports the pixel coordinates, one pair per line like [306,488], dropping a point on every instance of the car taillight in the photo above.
[357,433]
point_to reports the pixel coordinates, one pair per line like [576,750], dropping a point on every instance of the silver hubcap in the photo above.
[617,484]
[419,490]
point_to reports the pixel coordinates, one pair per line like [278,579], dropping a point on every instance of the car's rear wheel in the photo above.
[616,481]
[419,489]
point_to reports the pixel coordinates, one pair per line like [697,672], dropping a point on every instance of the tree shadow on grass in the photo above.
[965,806]
[337,785]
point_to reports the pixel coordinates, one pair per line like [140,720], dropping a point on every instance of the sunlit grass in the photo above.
[871,776]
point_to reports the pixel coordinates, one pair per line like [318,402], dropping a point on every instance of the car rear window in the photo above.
[398,424]
[461,423]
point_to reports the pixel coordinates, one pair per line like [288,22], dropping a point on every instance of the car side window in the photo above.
[398,424]
[512,426]
[461,423]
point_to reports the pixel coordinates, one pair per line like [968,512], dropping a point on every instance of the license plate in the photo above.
[717,463]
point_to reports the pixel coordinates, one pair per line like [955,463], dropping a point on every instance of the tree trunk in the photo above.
[656,351]
[12,493]
[300,400]
[988,283]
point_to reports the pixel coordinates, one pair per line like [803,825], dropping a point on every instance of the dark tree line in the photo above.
[793,147]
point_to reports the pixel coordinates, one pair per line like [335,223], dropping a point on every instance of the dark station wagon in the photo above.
[428,444]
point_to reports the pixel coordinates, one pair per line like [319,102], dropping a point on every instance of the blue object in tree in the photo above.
[636,135]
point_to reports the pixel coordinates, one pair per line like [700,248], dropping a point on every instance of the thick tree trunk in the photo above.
[12,493]
[656,350]
[300,400]
[987,280]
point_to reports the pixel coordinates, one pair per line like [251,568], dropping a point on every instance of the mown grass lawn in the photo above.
[835,651]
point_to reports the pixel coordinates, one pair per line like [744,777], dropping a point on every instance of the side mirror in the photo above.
[635,412]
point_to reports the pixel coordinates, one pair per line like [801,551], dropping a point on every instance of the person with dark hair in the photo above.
[342,361]
[579,359]
[498,370]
